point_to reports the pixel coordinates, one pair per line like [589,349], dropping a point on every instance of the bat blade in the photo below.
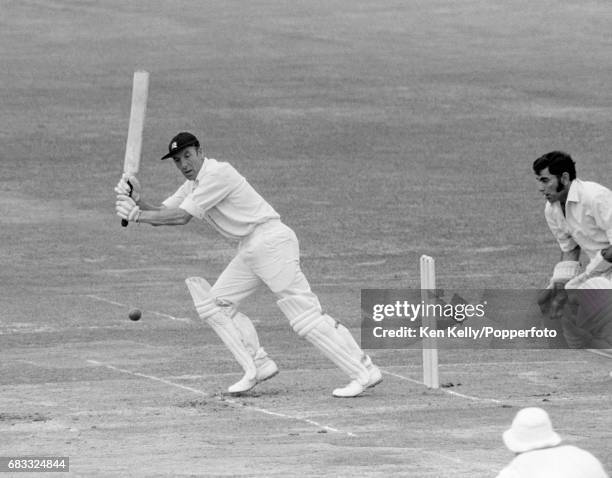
[138,110]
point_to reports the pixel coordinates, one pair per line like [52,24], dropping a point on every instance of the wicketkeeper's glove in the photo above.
[597,266]
[552,301]
[564,271]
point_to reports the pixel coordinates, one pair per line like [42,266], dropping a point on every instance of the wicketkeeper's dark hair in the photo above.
[557,163]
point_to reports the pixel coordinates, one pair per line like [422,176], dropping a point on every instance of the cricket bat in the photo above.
[133,147]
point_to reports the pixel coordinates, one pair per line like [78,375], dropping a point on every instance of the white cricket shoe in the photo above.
[266,369]
[243,385]
[354,388]
[351,390]
[375,376]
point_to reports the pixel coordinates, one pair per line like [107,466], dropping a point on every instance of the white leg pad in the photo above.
[348,341]
[221,323]
[302,314]
[320,330]
[248,333]
[206,308]
[199,288]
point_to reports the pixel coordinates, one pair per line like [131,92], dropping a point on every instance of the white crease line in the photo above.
[600,352]
[150,377]
[228,400]
[402,377]
[445,390]
[478,364]
[161,314]
[102,299]
[154,312]
[470,397]
[418,367]
[527,362]
[61,329]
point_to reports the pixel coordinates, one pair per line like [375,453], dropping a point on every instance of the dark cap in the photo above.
[179,142]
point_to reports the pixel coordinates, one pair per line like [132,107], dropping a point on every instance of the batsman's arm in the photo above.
[163,216]
[148,206]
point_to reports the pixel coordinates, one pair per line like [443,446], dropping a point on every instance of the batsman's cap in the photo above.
[179,142]
[531,429]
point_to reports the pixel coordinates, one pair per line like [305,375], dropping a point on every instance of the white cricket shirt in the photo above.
[587,221]
[221,196]
[565,461]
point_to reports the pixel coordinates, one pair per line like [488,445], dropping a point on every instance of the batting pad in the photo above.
[302,315]
[348,340]
[199,288]
[320,330]
[247,332]
[222,324]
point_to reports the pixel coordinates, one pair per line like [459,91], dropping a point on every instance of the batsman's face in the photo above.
[553,188]
[189,161]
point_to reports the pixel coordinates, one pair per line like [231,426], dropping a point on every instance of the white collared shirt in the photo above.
[223,197]
[587,221]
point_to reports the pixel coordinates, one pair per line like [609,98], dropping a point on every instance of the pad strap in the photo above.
[302,315]
[207,308]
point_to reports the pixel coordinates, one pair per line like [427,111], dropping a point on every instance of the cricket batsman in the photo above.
[268,253]
[579,215]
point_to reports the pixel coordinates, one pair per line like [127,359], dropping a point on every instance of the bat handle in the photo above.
[125,222]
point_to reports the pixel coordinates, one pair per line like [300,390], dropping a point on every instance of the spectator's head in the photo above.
[531,429]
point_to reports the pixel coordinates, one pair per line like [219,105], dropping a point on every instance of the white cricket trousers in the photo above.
[270,255]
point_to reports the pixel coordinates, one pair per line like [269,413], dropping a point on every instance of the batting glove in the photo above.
[123,187]
[127,209]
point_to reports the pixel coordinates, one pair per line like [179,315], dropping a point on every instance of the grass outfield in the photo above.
[380,131]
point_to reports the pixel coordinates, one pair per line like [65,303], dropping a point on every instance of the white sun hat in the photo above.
[531,429]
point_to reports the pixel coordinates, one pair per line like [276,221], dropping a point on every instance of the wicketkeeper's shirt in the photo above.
[221,196]
[587,221]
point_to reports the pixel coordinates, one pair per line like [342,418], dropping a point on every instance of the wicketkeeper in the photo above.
[579,214]
[268,253]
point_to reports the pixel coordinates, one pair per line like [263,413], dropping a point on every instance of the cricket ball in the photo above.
[135,314]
